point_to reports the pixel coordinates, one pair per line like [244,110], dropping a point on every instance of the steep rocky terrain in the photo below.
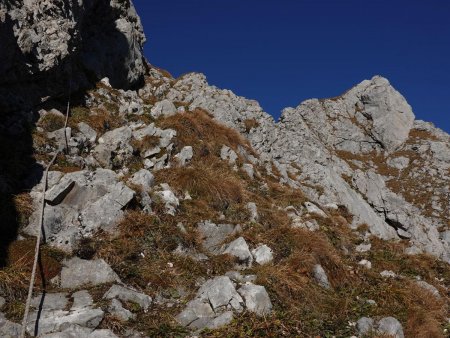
[181,209]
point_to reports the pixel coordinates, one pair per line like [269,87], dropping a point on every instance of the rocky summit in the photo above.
[177,209]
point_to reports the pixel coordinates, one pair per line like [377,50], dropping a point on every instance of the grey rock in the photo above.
[58,192]
[253,210]
[212,306]
[413,250]
[50,301]
[9,329]
[221,320]
[388,274]
[105,212]
[114,147]
[195,311]
[147,130]
[184,156]
[220,293]
[70,331]
[371,117]
[171,202]
[321,277]
[86,130]
[60,136]
[365,325]
[95,200]
[391,115]
[256,299]
[143,178]
[363,247]
[116,309]
[365,263]
[213,234]
[54,321]
[228,154]
[76,331]
[314,209]
[399,163]
[403,234]
[298,222]
[163,108]
[390,326]
[104,333]
[129,295]
[249,170]
[331,206]
[445,236]
[262,254]
[239,249]
[77,272]
[151,152]
[81,299]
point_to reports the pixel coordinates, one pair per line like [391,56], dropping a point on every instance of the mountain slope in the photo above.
[181,209]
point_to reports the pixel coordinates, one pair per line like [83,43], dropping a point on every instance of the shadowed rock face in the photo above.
[47,44]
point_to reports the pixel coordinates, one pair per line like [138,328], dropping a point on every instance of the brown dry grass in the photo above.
[198,129]
[147,142]
[24,207]
[250,124]
[422,135]
[378,159]
[210,181]
[21,256]
[100,119]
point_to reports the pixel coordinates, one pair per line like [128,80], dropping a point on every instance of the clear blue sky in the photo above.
[281,52]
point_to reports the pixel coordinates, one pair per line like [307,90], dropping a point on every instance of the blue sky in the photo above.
[281,52]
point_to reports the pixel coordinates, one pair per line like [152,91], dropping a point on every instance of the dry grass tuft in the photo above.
[51,122]
[24,206]
[21,256]
[13,281]
[113,323]
[250,124]
[100,119]
[210,180]
[198,129]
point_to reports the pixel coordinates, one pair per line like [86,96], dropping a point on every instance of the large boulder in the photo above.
[79,204]
[79,272]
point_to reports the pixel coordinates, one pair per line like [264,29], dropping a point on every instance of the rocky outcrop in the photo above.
[331,146]
[51,47]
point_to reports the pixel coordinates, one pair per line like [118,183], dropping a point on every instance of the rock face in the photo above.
[46,44]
